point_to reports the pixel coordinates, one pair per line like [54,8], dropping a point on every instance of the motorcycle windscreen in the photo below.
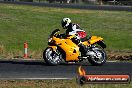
[71,50]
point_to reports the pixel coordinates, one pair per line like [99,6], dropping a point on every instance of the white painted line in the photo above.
[32,78]
[112,61]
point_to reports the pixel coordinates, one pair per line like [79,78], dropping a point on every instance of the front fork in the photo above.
[55,50]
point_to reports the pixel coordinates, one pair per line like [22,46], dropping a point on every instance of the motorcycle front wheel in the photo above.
[51,57]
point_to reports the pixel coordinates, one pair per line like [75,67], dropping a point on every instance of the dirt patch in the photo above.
[118,55]
[16,54]
[112,55]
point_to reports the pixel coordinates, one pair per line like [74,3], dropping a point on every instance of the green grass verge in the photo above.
[19,23]
[56,84]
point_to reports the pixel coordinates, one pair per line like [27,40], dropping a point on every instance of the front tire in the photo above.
[51,57]
[99,57]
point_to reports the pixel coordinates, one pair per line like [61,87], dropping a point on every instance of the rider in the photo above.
[74,29]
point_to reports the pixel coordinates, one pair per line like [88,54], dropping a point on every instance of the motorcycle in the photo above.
[64,49]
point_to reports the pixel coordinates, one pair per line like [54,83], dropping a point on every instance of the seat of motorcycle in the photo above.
[84,39]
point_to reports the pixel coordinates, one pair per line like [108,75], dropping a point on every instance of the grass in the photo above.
[56,84]
[32,24]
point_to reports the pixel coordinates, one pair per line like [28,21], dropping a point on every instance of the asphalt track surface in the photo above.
[37,69]
[76,6]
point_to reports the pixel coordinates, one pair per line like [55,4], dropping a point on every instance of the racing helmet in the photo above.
[65,22]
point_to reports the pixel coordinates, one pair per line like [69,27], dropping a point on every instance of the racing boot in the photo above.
[83,49]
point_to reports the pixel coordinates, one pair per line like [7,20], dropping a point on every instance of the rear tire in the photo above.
[51,57]
[101,56]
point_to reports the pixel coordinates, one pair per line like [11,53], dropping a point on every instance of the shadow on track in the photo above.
[24,62]
[41,62]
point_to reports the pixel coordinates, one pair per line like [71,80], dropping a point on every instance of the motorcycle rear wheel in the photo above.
[51,57]
[100,57]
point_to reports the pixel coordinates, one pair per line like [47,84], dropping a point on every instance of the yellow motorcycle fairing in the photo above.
[92,40]
[70,48]
[85,43]
[53,47]
[95,39]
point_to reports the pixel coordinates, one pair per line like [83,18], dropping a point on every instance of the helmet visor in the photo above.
[63,24]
